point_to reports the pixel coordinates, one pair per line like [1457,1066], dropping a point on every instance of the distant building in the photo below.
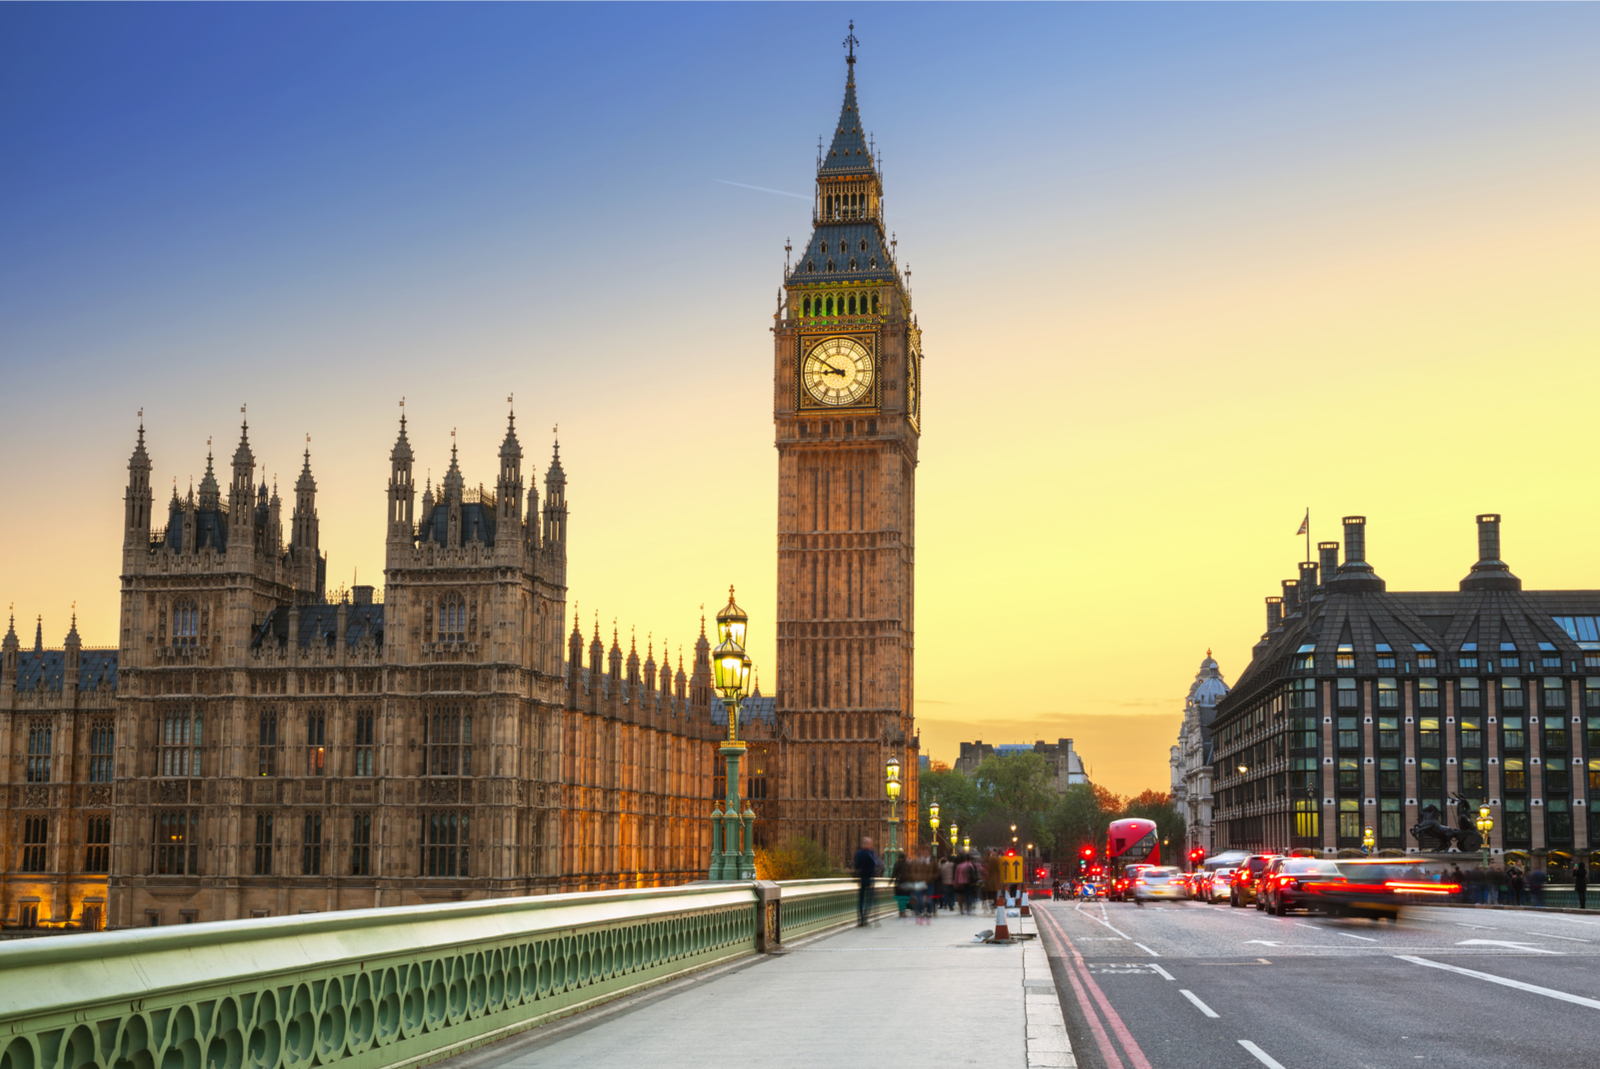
[1066,764]
[1191,757]
[1360,708]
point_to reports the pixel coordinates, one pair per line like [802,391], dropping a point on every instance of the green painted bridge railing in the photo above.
[376,987]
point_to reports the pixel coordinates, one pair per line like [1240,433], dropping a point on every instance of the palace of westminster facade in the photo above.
[251,747]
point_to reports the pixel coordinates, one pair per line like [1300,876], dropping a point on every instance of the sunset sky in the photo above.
[1183,271]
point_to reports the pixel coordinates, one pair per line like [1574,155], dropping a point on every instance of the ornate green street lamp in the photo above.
[966,844]
[955,837]
[1485,826]
[933,822]
[892,787]
[1368,842]
[731,668]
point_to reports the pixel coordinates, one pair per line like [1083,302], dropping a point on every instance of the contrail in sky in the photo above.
[763,189]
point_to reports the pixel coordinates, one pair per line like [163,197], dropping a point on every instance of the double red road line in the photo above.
[1078,975]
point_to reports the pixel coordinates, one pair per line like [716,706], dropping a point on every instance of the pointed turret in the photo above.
[633,662]
[275,521]
[138,502]
[508,489]
[210,492]
[38,635]
[453,482]
[402,490]
[555,503]
[242,488]
[649,679]
[304,545]
[10,643]
[574,663]
[849,153]
[597,663]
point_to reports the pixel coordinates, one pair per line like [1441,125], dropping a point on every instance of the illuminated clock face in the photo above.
[838,371]
[913,373]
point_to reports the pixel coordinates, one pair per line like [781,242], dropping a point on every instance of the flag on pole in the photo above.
[1305,524]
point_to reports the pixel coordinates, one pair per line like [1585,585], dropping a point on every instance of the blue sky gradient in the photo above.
[1136,233]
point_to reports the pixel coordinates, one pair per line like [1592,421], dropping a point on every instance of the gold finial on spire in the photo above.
[850,43]
[1208,651]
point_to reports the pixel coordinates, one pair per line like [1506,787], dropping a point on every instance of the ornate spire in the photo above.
[10,641]
[402,446]
[511,447]
[72,632]
[452,477]
[242,455]
[210,493]
[849,152]
[555,475]
[38,635]
[140,459]
[306,484]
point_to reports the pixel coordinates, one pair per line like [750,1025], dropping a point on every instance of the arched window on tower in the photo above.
[185,623]
[874,304]
[452,618]
[808,306]
[852,296]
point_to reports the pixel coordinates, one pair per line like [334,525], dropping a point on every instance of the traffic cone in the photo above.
[1002,933]
[1024,907]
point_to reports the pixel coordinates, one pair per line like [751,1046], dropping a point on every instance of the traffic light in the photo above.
[1041,874]
[1197,855]
[1086,852]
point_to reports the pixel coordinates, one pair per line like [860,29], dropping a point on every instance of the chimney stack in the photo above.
[1274,613]
[1355,540]
[1490,572]
[1308,580]
[1355,575]
[1291,597]
[1329,551]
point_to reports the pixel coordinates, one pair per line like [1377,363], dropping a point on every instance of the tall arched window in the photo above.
[452,618]
[185,623]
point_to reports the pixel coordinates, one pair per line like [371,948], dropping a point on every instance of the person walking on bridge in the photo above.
[866,866]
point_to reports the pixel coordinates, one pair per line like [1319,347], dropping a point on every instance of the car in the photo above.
[1122,886]
[1263,883]
[1200,885]
[1217,884]
[1242,890]
[1301,883]
[1153,883]
[1378,888]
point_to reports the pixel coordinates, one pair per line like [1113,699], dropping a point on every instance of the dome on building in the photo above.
[1209,686]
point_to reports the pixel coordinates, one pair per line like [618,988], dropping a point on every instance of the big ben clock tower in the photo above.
[847,408]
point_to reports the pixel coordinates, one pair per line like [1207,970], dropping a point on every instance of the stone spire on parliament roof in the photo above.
[849,153]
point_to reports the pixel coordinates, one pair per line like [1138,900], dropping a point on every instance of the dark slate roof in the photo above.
[1439,621]
[758,708]
[210,529]
[46,670]
[477,524]
[849,153]
[824,246]
[320,622]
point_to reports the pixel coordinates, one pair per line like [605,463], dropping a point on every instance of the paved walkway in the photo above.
[923,993]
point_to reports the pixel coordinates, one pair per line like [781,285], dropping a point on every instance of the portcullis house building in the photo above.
[1361,707]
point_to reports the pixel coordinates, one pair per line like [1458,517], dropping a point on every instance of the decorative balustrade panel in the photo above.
[361,988]
[812,905]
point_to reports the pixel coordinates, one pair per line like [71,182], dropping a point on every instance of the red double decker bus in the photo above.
[1130,842]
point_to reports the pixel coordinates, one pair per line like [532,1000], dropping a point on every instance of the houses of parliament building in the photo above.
[253,747]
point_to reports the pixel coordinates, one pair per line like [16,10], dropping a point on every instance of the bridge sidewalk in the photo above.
[927,992]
